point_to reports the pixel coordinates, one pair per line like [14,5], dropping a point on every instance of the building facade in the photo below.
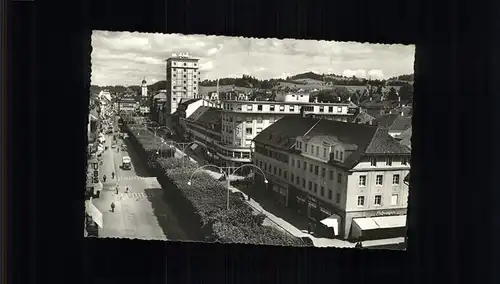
[243,120]
[345,178]
[182,80]
[127,105]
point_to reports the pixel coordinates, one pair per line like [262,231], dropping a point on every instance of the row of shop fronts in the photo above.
[328,221]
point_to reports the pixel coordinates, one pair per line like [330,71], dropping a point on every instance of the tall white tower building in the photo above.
[144,88]
[182,80]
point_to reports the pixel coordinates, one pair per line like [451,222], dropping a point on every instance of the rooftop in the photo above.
[405,138]
[394,122]
[285,103]
[370,140]
[208,117]
[188,102]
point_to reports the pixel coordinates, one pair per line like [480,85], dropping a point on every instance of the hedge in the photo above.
[207,199]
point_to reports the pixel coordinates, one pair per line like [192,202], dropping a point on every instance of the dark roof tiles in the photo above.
[368,140]
[207,116]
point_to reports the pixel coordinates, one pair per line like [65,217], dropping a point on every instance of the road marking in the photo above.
[136,195]
[132,178]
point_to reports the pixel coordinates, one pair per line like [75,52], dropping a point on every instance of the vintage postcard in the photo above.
[244,140]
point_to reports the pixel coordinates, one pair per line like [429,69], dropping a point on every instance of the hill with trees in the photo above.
[325,87]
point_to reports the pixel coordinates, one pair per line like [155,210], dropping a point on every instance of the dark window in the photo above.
[330,194]
[292,178]
[374,161]
[339,178]
[304,183]
[305,166]
[279,172]
[316,170]
[298,180]
[310,185]
[323,172]
[315,187]
[322,191]
[259,107]
[331,174]
[284,174]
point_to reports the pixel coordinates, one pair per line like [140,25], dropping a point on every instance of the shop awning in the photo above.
[383,222]
[94,212]
[332,222]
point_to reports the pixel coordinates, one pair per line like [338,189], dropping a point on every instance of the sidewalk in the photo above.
[318,242]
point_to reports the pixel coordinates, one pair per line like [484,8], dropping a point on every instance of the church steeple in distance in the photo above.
[144,87]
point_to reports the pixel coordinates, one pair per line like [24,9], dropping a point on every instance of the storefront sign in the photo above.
[387,212]
[300,199]
[313,199]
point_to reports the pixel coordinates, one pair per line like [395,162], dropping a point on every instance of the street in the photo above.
[142,212]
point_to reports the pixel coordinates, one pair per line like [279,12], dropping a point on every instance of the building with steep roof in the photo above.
[395,123]
[203,127]
[405,138]
[341,176]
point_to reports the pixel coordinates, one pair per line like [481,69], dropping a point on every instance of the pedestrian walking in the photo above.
[116,189]
[112,175]
[112,207]
[126,189]
[104,178]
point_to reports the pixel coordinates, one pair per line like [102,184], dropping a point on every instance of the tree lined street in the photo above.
[140,213]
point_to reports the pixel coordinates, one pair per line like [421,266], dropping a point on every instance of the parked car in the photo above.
[113,146]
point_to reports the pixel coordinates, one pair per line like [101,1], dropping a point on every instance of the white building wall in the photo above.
[386,190]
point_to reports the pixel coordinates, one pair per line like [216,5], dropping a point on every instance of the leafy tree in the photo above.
[208,198]
[392,95]
[406,92]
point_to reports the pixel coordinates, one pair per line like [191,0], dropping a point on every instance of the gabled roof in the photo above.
[188,102]
[369,140]
[405,138]
[208,117]
[394,122]
[362,118]
[406,110]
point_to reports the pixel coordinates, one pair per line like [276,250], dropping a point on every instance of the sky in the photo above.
[125,58]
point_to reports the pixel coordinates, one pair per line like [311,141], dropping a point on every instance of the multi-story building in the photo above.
[186,109]
[243,120]
[345,178]
[182,79]
[127,105]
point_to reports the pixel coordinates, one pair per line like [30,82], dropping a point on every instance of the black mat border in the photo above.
[451,223]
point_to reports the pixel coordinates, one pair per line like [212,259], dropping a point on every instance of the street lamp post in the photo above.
[227,172]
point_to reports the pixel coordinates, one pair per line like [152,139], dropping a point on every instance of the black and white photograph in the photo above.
[261,141]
